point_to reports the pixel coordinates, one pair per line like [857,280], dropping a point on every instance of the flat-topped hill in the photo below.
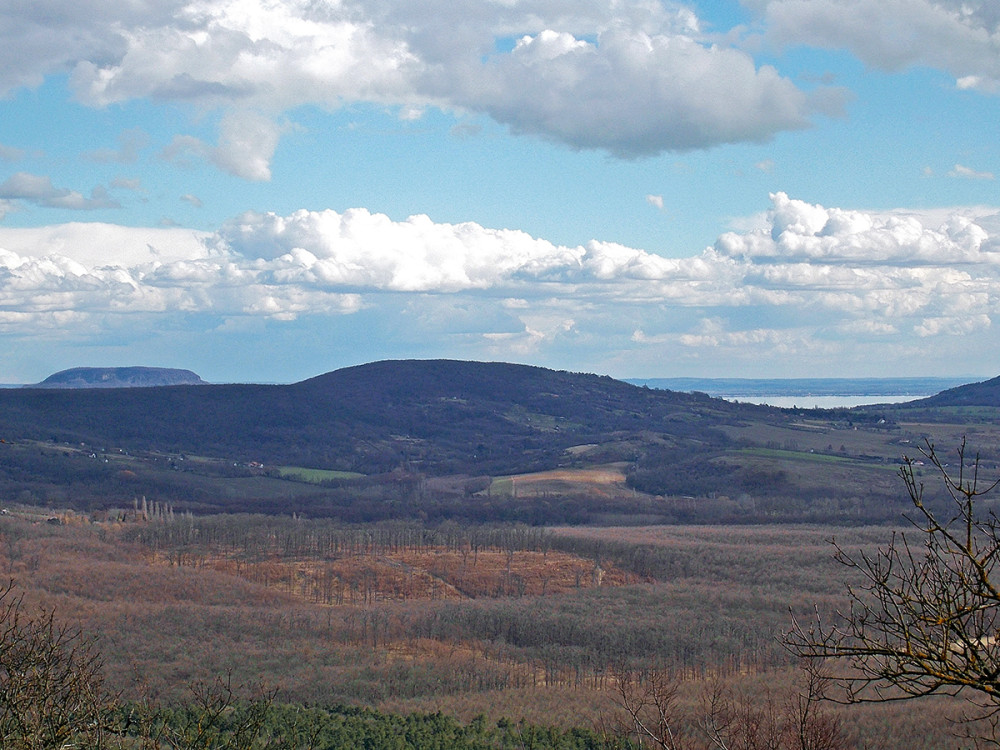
[119,377]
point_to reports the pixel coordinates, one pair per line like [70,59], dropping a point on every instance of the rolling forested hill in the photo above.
[436,439]
[986,394]
[445,416]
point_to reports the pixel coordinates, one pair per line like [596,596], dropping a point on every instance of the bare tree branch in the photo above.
[52,692]
[925,618]
[727,720]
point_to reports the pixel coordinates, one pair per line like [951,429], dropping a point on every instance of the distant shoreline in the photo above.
[846,401]
[807,393]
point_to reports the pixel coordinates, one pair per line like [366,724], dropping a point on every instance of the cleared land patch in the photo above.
[314,476]
[429,574]
[605,480]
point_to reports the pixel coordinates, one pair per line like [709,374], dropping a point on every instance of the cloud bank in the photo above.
[808,281]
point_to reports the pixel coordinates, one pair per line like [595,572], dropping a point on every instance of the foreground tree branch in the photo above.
[53,697]
[52,691]
[651,715]
[925,618]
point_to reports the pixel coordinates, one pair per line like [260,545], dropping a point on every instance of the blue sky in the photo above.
[267,190]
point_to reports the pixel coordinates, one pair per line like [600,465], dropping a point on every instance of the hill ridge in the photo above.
[429,438]
[441,415]
[985,393]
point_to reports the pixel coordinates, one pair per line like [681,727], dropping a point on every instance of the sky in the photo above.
[266,190]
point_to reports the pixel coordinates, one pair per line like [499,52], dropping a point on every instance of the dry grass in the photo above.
[583,476]
[607,481]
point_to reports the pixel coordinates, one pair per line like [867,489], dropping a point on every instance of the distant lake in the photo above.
[808,393]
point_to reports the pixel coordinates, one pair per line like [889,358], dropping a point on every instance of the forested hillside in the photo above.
[447,416]
[477,442]
[986,394]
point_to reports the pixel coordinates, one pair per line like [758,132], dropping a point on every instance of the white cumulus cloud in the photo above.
[630,77]
[358,248]
[800,231]
[247,141]
[630,92]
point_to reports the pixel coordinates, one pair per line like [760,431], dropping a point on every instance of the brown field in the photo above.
[583,476]
[604,482]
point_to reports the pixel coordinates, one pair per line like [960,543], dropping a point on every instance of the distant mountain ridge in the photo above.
[119,377]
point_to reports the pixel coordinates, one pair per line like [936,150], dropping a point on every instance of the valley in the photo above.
[407,560]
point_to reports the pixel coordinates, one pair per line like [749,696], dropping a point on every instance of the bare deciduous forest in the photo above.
[511,623]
